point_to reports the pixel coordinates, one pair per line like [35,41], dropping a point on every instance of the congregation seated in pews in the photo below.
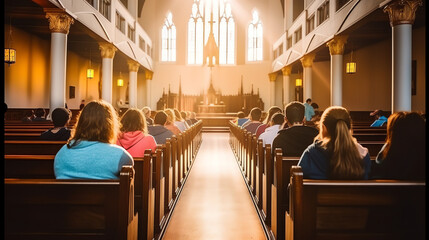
[160,173]
[267,172]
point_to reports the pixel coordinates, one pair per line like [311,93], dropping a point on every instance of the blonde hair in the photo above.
[170,115]
[336,137]
[133,120]
[98,121]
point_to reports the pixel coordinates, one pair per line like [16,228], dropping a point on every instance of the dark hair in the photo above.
[60,117]
[405,144]
[98,121]
[29,113]
[314,105]
[255,114]
[295,112]
[278,118]
[308,100]
[241,114]
[40,112]
[183,114]
[160,118]
[133,120]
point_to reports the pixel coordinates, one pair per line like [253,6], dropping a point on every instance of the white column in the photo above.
[59,24]
[286,85]
[273,77]
[336,49]
[149,75]
[401,15]
[107,55]
[307,63]
[133,68]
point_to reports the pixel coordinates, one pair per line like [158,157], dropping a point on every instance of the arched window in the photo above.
[226,35]
[168,52]
[254,39]
[199,30]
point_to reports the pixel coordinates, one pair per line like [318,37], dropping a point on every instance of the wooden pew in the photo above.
[22,136]
[29,166]
[39,147]
[372,209]
[374,147]
[362,136]
[70,209]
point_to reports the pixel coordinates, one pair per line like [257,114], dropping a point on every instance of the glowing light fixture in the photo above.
[90,71]
[351,66]
[10,53]
[298,82]
[120,81]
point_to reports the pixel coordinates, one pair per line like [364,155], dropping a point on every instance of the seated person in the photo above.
[335,154]
[380,119]
[241,118]
[29,116]
[271,132]
[294,139]
[91,152]
[254,122]
[170,124]
[267,119]
[39,115]
[193,117]
[147,114]
[402,157]
[60,119]
[134,136]
[158,129]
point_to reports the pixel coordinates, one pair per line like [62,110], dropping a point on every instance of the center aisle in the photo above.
[214,202]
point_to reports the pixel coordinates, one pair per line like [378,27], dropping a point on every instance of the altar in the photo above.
[212,108]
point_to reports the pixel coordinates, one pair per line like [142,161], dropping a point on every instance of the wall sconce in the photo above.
[298,82]
[351,66]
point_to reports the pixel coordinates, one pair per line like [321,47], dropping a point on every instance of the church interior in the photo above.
[214,58]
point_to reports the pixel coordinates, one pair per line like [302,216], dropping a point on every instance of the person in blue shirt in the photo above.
[335,154]
[91,152]
[380,119]
[309,110]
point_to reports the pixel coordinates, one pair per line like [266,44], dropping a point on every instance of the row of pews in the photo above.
[291,207]
[137,206]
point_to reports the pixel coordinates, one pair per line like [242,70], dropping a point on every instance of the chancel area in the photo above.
[214,119]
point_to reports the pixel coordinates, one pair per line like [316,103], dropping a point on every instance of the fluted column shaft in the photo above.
[307,63]
[336,49]
[286,85]
[107,55]
[149,75]
[133,68]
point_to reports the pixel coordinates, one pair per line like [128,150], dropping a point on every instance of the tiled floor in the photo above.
[215,202]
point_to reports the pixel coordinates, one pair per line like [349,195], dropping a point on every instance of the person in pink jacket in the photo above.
[134,136]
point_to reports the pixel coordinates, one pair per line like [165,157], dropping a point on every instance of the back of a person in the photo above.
[251,127]
[62,134]
[89,160]
[160,133]
[60,118]
[136,142]
[294,140]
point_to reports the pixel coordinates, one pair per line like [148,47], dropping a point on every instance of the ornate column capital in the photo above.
[272,76]
[107,50]
[402,11]
[287,70]
[307,60]
[336,45]
[133,66]
[59,21]
[148,74]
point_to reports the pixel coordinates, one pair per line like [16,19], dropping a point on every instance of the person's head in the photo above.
[29,113]
[405,130]
[133,120]
[336,136]
[255,114]
[271,112]
[40,112]
[170,115]
[308,100]
[147,112]
[193,115]
[183,115]
[377,114]
[241,114]
[177,115]
[60,117]
[315,106]
[98,121]
[160,118]
[277,119]
[294,113]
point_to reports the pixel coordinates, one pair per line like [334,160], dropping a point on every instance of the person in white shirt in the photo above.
[275,125]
